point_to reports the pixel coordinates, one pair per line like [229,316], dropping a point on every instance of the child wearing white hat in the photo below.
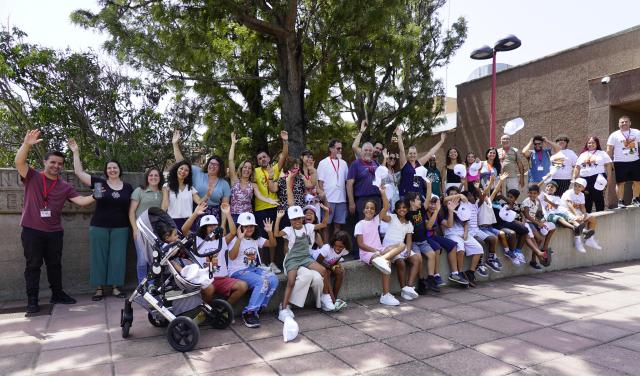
[573,200]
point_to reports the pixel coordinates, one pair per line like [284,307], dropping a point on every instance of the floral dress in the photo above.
[299,191]
[241,198]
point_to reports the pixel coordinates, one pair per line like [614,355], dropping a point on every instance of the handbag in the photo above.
[486,216]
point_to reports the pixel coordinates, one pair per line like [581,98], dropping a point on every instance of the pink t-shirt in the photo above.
[34,201]
[369,232]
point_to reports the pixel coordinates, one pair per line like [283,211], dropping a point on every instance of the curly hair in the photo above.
[172,179]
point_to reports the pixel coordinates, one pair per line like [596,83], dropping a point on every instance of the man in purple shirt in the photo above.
[44,196]
[360,179]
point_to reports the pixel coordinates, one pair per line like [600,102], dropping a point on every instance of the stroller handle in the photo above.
[216,235]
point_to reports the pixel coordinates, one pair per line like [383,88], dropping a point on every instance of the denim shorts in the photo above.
[422,247]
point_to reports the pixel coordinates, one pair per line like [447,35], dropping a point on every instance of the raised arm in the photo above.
[434,216]
[554,147]
[526,150]
[186,227]
[384,213]
[278,232]
[225,209]
[260,196]
[77,163]
[498,187]
[285,149]
[325,219]
[30,139]
[356,141]
[268,228]
[425,157]
[401,151]
[233,176]
[175,142]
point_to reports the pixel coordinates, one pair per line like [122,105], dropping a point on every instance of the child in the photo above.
[419,239]
[480,234]
[231,288]
[530,208]
[243,264]
[330,256]
[370,248]
[299,238]
[574,200]
[558,215]
[311,218]
[521,233]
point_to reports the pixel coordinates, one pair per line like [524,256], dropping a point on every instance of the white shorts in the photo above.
[471,246]
[479,233]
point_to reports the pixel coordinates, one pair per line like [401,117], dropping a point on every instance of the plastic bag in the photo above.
[486,216]
[290,329]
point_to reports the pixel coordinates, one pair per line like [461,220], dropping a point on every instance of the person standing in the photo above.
[564,162]
[42,234]
[410,161]
[433,174]
[377,145]
[360,177]
[332,177]
[179,195]
[109,228]
[539,158]
[512,164]
[622,147]
[593,161]
[242,186]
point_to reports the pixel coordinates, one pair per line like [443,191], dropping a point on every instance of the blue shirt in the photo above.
[409,182]
[363,175]
[540,165]
[200,182]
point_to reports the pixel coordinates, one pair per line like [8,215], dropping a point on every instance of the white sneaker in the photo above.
[388,299]
[577,241]
[382,265]
[408,293]
[593,243]
[274,268]
[284,313]
[326,303]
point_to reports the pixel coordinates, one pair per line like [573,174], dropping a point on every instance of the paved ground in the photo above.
[578,322]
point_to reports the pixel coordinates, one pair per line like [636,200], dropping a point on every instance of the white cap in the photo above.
[513,126]
[295,212]
[474,168]
[460,170]
[381,173]
[247,219]
[582,182]
[208,220]
[463,212]
[600,183]
[309,198]
[421,172]
[507,214]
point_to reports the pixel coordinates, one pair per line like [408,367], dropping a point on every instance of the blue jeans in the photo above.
[141,260]
[262,283]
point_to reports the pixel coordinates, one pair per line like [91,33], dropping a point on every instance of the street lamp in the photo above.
[510,42]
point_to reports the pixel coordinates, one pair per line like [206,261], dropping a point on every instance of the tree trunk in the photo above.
[292,84]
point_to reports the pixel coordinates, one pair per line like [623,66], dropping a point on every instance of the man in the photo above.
[512,164]
[377,146]
[332,176]
[360,179]
[622,147]
[263,175]
[564,162]
[44,197]
[539,158]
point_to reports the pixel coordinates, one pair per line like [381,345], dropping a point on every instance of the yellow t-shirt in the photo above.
[260,175]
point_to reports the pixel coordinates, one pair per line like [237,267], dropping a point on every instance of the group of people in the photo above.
[406,212]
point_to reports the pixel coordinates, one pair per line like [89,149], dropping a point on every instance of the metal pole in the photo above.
[492,126]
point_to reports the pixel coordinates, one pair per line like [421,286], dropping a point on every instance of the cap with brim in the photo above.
[463,212]
[513,126]
[421,171]
[247,219]
[600,182]
[474,168]
[295,212]
[507,214]
[208,220]
[309,207]
[460,170]
[581,181]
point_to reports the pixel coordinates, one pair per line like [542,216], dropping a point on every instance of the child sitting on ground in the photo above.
[330,256]
[574,200]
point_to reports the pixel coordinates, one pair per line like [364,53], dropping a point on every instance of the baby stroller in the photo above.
[171,300]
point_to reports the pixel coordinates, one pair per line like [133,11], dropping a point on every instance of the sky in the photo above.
[544,26]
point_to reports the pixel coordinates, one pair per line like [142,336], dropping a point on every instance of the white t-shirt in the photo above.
[473,209]
[548,208]
[290,234]
[241,262]
[181,205]
[625,145]
[532,205]
[329,254]
[576,198]
[396,231]
[565,171]
[592,163]
[209,246]
[333,177]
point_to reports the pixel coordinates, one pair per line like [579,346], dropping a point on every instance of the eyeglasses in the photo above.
[392,157]
[537,143]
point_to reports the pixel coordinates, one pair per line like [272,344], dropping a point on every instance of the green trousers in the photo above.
[108,255]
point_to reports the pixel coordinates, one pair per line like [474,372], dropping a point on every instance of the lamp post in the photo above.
[510,42]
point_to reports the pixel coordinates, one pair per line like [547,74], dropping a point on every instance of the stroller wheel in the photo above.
[157,322]
[221,314]
[183,334]
[126,318]
[125,329]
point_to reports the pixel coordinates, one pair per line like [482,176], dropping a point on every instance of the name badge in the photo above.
[540,168]
[45,213]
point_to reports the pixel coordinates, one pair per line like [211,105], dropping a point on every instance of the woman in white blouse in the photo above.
[592,162]
[179,195]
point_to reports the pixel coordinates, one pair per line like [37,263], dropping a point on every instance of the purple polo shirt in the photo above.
[363,175]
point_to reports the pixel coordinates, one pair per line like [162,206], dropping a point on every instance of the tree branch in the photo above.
[252,22]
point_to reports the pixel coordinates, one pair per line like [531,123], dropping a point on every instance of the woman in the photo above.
[179,195]
[242,187]
[468,161]
[490,167]
[294,180]
[109,228]
[390,161]
[453,157]
[592,162]
[148,195]
[409,161]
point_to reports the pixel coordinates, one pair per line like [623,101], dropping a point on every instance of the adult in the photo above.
[490,167]
[377,145]
[392,180]
[563,163]
[42,235]
[539,157]
[433,174]
[242,187]
[211,180]
[622,147]
[512,164]
[332,176]
[264,175]
[469,160]
[409,161]
[313,194]
[146,196]
[179,194]
[109,226]
[453,157]
[360,177]
[592,162]
[290,187]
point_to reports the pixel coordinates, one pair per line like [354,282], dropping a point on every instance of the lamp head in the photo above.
[482,53]
[508,43]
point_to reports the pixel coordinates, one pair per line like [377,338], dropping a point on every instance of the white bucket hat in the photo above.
[582,182]
[475,167]
[600,183]
[513,126]
[463,212]
[460,170]
[247,219]
[507,214]
[295,212]
[421,172]
[381,173]
[208,220]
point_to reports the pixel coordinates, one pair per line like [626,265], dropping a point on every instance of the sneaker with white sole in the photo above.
[409,292]
[382,265]
[593,243]
[481,270]
[274,268]
[340,304]
[520,256]
[326,303]
[577,242]
[388,299]
[512,257]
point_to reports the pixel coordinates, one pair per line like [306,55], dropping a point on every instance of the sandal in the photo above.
[117,293]
[98,295]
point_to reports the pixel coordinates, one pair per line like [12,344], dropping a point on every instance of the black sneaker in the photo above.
[492,263]
[587,233]
[432,284]
[32,304]
[458,278]
[535,265]
[621,204]
[421,287]
[471,277]
[578,230]
[61,297]
[635,202]
[250,320]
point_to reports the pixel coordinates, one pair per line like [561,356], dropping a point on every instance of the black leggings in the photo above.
[593,196]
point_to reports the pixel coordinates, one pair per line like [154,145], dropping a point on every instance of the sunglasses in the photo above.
[537,143]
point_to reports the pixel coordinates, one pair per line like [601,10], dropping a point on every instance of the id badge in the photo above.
[45,213]
[540,168]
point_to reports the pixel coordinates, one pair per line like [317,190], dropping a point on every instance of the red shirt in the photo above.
[34,201]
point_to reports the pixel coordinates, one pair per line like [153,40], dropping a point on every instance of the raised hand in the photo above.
[31,138]
[443,136]
[385,153]
[398,131]
[225,208]
[200,209]
[241,232]
[363,126]
[453,203]
[73,145]
[290,176]
[176,136]
[234,140]
[280,214]
[284,135]
[268,225]
[438,205]
[504,176]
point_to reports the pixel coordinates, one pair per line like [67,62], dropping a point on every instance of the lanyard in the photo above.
[45,190]
[336,169]
[627,136]
[539,155]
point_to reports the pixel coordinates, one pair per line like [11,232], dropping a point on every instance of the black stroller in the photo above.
[171,300]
